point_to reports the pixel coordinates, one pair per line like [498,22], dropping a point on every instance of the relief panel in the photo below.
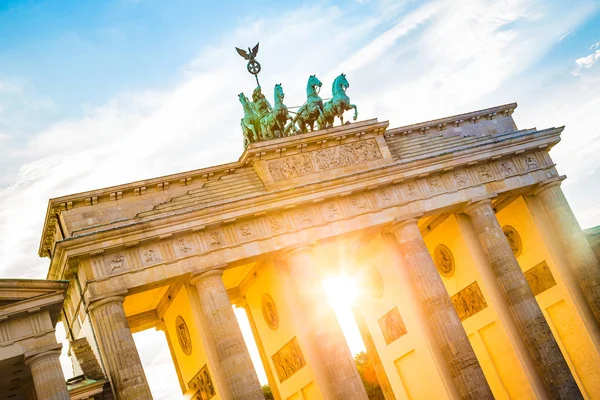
[540,278]
[288,360]
[323,160]
[469,301]
[203,383]
[392,326]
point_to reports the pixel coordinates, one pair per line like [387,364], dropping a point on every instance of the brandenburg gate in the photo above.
[476,281]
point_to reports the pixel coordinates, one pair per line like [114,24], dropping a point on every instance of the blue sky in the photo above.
[97,93]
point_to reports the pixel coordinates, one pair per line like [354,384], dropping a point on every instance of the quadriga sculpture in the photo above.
[313,108]
[339,103]
[263,122]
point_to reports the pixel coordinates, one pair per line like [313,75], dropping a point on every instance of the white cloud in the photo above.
[588,61]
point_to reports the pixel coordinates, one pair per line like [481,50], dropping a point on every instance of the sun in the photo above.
[342,292]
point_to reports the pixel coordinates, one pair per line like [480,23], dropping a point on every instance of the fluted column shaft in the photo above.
[340,379]
[118,350]
[443,319]
[48,377]
[579,255]
[234,363]
[532,325]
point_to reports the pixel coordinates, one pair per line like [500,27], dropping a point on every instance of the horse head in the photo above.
[244,100]
[278,93]
[340,84]
[313,83]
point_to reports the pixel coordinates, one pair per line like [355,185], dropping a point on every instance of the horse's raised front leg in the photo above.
[355,111]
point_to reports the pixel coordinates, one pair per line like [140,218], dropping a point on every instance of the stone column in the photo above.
[234,364]
[526,312]
[580,256]
[329,354]
[443,319]
[120,356]
[261,349]
[48,378]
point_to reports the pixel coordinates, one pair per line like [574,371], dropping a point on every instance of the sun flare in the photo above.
[342,291]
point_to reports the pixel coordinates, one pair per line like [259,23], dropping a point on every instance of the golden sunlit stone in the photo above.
[348,238]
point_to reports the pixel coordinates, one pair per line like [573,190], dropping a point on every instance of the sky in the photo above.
[100,93]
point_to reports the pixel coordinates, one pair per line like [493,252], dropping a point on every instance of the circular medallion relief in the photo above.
[373,281]
[183,335]
[513,238]
[270,311]
[444,261]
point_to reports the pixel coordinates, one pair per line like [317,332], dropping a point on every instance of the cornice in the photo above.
[402,171]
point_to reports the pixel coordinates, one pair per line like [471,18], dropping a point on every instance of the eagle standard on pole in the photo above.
[253,65]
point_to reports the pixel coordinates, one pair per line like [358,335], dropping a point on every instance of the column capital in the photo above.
[474,205]
[197,277]
[400,223]
[51,352]
[96,304]
[550,183]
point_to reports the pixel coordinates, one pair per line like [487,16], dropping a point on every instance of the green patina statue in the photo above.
[339,103]
[261,121]
[273,123]
[313,108]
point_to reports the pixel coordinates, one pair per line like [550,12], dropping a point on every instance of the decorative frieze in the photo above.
[294,218]
[323,160]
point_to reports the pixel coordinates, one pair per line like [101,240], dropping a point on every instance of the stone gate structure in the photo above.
[476,279]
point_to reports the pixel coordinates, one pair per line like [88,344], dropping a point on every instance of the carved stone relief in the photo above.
[392,326]
[514,239]
[269,311]
[461,178]
[444,260]
[332,211]
[323,160]
[182,246]
[116,263]
[214,239]
[203,383]
[469,301]
[507,168]
[436,184]
[288,360]
[540,278]
[531,162]
[183,335]
[150,256]
[276,223]
[484,173]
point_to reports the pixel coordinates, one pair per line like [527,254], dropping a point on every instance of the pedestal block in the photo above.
[120,356]
[443,319]
[532,325]
[234,365]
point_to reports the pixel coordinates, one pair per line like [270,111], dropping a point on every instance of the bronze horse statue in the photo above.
[339,103]
[312,110]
